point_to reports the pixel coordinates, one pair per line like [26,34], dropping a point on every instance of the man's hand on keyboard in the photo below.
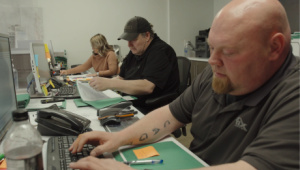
[91,162]
[104,142]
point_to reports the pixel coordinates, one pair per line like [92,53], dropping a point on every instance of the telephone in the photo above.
[57,122]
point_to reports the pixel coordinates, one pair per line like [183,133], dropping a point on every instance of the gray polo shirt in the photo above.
[261,129]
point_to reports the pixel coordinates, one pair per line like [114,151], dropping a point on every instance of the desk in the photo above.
[91,114]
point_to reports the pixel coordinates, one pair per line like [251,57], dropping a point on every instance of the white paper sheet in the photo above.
[87,93]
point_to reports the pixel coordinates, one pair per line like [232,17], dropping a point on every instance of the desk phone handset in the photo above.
[57,122]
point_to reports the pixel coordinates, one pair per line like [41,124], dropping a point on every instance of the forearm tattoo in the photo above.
[155,130]
[166,123]
[144,137]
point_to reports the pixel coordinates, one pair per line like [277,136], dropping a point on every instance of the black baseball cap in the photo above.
[134,27]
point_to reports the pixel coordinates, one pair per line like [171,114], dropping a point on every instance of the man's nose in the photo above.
[215,59]
[129,43]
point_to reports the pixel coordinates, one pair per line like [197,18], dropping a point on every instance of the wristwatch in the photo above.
[98,74]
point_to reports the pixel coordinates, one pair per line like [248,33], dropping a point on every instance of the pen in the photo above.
[136,162]
[121,116]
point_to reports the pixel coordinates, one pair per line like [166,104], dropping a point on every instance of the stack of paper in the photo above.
[79,77]
[97,99]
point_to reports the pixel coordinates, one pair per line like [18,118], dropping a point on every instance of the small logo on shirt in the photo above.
[240,124]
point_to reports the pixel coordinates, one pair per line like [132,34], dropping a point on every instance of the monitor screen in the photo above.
[39,65]
[51,51]
[8,101]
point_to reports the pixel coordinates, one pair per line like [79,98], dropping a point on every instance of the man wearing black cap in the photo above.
[149,70]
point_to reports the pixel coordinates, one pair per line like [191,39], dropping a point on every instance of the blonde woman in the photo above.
[103,59]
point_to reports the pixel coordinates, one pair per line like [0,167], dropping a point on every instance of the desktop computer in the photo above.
[42,74]
[8,101]
[202,48]
[39,66]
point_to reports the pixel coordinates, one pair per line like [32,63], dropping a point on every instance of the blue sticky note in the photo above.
[36,59]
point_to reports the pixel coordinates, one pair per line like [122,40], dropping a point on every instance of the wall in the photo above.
[219,4]
[70,24]
[186,19]
[292,9]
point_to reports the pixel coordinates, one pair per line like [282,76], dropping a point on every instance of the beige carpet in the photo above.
[186,140]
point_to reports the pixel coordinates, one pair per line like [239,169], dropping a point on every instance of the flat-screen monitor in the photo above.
[8,101]
[51,51]
[39,65]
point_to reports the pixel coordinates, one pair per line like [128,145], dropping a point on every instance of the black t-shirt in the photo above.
[158,65]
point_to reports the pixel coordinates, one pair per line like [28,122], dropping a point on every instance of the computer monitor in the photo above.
[8,101]
[51,51]
[39,65]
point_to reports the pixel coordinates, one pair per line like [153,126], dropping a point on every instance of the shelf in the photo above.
[197,59]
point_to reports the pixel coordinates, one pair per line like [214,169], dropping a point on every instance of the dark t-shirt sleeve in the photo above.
[183,106]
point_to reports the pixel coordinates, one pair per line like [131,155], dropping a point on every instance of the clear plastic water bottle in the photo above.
[15,72]
[23,144]
[186,48]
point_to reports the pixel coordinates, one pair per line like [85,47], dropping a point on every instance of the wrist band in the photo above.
[97,73]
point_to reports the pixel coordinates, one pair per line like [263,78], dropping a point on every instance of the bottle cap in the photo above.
[20,115]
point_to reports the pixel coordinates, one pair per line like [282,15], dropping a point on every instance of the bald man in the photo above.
[244,109]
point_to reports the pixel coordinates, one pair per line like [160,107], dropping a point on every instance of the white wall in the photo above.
[70,24]
[187,17]
[219,4]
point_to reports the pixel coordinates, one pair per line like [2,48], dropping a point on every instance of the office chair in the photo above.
[184,66]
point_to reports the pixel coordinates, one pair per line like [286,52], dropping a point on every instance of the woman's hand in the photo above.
[63,72]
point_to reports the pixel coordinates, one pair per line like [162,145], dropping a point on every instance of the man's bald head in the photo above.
[249,41]
[261,17]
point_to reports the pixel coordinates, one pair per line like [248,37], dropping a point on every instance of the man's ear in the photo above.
[277,45]
[148,36]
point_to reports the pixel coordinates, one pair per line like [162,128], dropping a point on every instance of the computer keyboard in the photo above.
[58,155]
[67,90]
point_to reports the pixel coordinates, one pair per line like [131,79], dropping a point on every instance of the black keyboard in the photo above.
[58,155]
[67,90]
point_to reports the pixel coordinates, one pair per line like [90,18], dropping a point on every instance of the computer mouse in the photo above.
[110,121]
[88,129]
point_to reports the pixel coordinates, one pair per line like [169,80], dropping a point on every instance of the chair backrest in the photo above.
[184,66]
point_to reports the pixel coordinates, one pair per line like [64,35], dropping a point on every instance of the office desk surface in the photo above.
[91,114]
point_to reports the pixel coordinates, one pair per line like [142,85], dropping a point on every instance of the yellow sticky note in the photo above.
[146,152]
[3,164]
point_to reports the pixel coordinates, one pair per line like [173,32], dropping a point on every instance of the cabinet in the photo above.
[197,66]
